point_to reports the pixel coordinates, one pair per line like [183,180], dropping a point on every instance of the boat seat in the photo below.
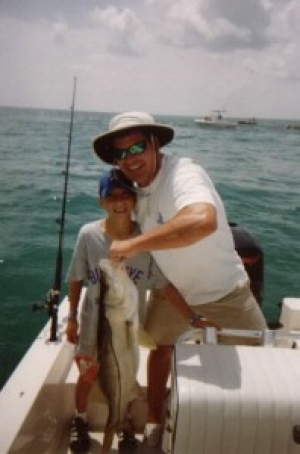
[234,399]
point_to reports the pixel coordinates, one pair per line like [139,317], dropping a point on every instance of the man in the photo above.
[183,224]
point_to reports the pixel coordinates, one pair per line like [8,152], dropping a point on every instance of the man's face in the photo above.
[140,168]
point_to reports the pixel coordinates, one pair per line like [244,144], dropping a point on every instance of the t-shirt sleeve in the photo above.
[188,183]
[78,269]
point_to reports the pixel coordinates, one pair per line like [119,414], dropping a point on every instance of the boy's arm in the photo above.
[74,293]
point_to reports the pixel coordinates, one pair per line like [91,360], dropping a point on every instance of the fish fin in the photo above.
[145,340]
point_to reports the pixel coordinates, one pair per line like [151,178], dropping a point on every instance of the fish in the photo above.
[117,346]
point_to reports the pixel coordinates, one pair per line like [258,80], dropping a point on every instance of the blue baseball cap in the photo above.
[112,179]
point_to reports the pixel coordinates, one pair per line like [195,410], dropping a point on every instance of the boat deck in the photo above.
[209,382]
[97,439]
[39,405]
[97,414]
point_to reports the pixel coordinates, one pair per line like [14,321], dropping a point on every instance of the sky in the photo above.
[177,57]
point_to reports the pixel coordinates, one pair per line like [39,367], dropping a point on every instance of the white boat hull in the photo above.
[37,402]
[223,398]
[218,124]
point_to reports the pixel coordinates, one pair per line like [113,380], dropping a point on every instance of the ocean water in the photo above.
[255,169]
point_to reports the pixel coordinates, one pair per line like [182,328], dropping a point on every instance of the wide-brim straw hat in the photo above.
[128,121]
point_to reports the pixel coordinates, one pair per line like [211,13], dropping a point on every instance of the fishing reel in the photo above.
[51,305]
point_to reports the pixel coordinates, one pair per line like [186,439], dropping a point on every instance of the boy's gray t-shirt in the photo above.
[92,245]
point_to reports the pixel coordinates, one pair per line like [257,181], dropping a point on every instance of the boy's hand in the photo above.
[72,331]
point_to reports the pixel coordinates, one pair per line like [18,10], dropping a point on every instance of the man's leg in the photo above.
[159,366]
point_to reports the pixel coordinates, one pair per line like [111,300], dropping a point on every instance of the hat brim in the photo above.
[103,144]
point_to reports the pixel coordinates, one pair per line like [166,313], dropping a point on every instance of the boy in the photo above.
[117,197]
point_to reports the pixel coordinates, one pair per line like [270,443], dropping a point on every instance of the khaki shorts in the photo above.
[237,310]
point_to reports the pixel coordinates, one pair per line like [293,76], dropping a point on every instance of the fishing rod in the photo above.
[52,299]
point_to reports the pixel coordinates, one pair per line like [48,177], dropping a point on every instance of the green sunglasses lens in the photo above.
[135,149]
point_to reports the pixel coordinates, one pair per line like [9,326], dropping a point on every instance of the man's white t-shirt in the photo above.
[210,268]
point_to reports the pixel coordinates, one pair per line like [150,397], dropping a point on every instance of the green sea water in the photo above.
[255,169]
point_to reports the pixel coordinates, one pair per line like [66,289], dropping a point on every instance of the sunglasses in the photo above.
[135,149]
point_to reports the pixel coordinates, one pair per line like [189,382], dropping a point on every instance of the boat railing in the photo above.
[265,337]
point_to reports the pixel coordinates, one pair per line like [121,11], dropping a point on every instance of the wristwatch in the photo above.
[194,318]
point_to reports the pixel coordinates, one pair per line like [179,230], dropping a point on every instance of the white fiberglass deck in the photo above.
[254,392]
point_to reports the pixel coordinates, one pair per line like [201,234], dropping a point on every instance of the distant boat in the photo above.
[215,120]
[247,121]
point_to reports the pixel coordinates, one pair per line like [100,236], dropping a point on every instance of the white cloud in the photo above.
[213,24]
[165,56]
[60,32]
[125,33]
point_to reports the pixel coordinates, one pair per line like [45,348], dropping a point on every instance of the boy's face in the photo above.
[119,203]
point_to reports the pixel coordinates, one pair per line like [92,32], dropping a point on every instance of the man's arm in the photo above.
[170,293]
[192,223]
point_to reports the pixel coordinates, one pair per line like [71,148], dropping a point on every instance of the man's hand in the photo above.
[204,323]
[120,250]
